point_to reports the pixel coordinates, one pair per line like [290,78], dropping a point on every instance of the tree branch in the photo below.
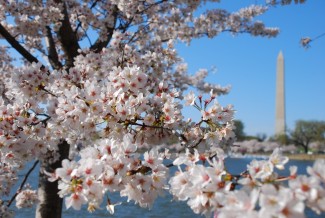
[52,53]
[67,37]
[79,24]
[285,2]
[3,93]
[23,183]
[16,45]
[100,44]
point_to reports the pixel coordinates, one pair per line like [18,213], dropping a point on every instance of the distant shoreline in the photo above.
[305,156]
[309,157]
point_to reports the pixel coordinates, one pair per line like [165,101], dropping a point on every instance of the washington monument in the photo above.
[280,103]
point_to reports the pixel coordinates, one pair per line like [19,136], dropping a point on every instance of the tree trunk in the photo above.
[306,149]
[50,204]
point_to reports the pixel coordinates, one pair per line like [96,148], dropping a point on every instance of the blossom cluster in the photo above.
[175,20]
[105,125]
[258,192]
[22,138]
[26,198]
[112,166]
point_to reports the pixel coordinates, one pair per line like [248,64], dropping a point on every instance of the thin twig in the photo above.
[79,24]
[23,183]
[317,37]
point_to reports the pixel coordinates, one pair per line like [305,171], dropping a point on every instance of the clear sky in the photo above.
[248,64]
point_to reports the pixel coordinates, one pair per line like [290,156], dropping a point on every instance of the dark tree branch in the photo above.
[23,183]
[3,93]
[67,37]
[285,2]
[86,35]
[79,24]
[52,53]
[100,43]
[16,45]
[125,27]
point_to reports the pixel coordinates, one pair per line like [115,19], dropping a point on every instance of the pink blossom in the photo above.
[26,198]
[75,200]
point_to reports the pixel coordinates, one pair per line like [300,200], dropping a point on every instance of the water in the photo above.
[164,207]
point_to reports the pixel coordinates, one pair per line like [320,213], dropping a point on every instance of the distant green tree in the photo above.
[306,132]
[239,131]
[261,137]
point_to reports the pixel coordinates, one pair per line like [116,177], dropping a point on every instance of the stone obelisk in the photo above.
[280,104]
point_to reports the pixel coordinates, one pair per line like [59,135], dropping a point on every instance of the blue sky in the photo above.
[248,64]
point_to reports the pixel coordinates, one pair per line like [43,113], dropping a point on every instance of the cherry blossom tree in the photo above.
[98,93]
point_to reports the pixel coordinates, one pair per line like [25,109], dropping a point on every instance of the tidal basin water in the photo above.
[164,207]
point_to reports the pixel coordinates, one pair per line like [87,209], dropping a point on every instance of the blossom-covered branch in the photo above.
[23,183]
[106,114]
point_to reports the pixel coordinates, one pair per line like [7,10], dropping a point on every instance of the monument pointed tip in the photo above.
[280,54]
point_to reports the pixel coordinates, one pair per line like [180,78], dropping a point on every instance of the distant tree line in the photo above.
[303,135]
[242,136]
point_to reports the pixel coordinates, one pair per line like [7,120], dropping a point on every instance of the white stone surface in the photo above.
[280,97]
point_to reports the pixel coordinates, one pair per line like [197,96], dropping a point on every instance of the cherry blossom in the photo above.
[111,207]
[98,100]
[26,198]
[190,98]
[75,201]
[280,203]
